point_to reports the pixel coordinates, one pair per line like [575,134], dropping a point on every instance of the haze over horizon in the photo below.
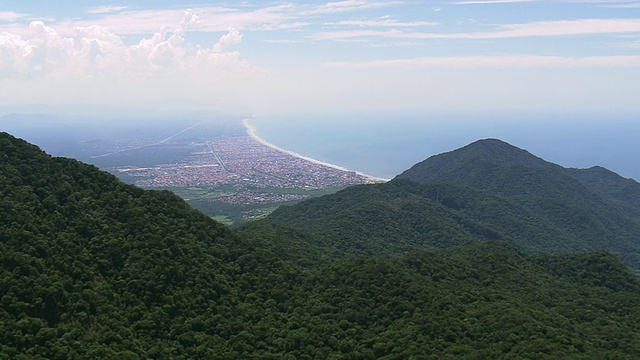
[559,78]
[314,56]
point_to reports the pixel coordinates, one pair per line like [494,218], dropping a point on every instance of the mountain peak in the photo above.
[480,159]
[491,142]
[500,152]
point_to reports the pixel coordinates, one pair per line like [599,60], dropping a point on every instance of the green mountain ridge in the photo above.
[504,169]
[93,268]
[486,190]
[609,184]
[596,204]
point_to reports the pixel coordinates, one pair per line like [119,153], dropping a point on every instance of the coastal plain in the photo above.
[220,166]
[242,174]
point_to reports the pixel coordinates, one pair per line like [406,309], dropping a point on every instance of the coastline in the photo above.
[251,131]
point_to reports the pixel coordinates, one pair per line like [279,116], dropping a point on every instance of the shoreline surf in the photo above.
[251,131]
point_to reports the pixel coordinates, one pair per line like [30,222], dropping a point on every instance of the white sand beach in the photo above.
[251,131]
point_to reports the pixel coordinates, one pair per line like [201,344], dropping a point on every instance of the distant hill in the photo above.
[609,184]
[474,164]
[93,268]
[504,169]
[486,190]
[597,205]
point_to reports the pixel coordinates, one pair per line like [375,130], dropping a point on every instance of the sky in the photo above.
[272,57]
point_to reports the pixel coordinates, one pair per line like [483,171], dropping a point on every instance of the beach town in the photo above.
[244,162]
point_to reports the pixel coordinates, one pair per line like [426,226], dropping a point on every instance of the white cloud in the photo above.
[154,54]
[515,61]
[105,9]
[97,52]
[568,27]
[475,2]
[381,23]
[282,41]
[620,4]
[127,23]
[282,26]
[11,16]
[211,19]
[231,38]
[349,5]
[533,29]
[14,54]
[351,34]
[625,6]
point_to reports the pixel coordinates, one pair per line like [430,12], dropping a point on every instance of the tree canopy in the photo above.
[93,268]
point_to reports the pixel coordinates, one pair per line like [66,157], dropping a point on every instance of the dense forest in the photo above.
[488,190]
[93,268]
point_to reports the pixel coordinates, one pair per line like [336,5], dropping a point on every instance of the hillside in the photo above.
[609,184]
[596,205]
[504,169]
[486,190]
[475,163]
[476,301]
[380,219]
[93,268]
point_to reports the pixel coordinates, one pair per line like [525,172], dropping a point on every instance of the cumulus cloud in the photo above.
[14,54]
[231,38]
[95,51]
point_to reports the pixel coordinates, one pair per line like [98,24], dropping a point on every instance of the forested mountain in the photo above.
[484,191]
[93,268]
[596,205]
[374,220]
[504,169]
[609,184]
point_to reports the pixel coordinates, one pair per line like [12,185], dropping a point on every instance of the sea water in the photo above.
[384,145]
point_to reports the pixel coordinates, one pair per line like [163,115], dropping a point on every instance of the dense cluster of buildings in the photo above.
[241,162]
[266,167]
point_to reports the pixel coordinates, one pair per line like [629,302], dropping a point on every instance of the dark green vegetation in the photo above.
[488,190]
[212,201]
[93,268]
[596,208]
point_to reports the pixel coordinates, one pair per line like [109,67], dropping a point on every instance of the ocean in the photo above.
[384,145]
